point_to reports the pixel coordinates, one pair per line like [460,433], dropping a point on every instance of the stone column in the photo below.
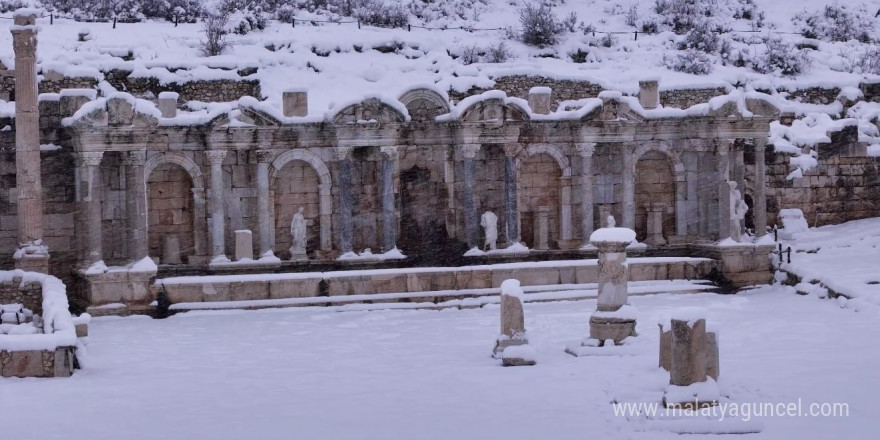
[655,213]
[513,328]
[760,197]
[722,153]
[609,322]
[326,207]
[218,204]
[511,211]
[89,173]
[389,211]
[265,220]
[629,190]
[346,202]
[586,150]
[27,145]
[136,204]
[471,219]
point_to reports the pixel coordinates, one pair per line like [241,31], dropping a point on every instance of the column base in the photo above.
[616,329]
[298,255]
[33,263]
[503,342]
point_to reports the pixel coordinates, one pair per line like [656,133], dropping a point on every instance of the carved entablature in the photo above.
[371,110]
[493,110]
[118,111]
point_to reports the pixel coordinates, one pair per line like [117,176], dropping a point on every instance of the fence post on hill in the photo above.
[114,22]
[51,19]
[637,35]
[293,22]
[359,23]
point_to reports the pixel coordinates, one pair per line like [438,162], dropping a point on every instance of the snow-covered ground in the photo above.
[317,373]
[843,257]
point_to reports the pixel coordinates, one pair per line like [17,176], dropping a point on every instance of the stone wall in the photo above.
[814,95]
[170,209]
[296,185]
[686,98]
[519,86]
[837,190]
[539,188]
[29,295]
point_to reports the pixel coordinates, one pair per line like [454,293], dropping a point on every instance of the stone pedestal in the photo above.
[690,354]
[655,224]
[168,104]
[513,330]
[244,245]
[649,94]
[119,286]
[295,102]
[171,250]
[542,228]
[539,100]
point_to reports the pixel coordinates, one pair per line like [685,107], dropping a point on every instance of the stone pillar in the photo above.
[513,328]
[295,102]
[760,197]
[629,190]
[168,104]
[585,151]
[608,322]
[89,172]
[326,207]
[649,94]
[511,212]
[33,255]
[389,209]
[655,213]
[665,348]
[688,352]
[218,204]
[539,100]
[346,199]
[265,220]
[136,204]
[244,245]
[722,153]
[542,228]
[471,219]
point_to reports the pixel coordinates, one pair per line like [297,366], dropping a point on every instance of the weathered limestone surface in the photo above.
[689,346]
[37,363]
[244,245]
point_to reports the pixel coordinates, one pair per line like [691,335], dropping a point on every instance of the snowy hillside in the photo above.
[342,62]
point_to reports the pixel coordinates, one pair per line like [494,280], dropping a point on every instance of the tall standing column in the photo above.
[90,203]
[389,211]
[346,199]
[723,169]
[760,198]
[265,222]
[586,150]
[33,256]
[136,203]
[471,219]
[511,211]
[218,204]
[629,190]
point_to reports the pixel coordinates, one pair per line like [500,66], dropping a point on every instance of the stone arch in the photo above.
[676,166]
[533,183]
[424,104]
[325,207]
[175,190]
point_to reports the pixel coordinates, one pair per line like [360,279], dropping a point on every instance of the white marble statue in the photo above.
[489,222]
[298,232]
[738,209]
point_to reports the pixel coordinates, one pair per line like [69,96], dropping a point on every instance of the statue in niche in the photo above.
[738,210]
[298,233]
[489,222]
[611,222]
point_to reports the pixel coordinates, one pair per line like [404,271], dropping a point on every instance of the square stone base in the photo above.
[616,329]
[502,343]
[118,287]
[38,363]
[33,263]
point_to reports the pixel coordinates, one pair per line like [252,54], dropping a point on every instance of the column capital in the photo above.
[585,149]
[90,158]
[215,157]
[390,151]
[723,146]
[469,151]
[342,153]
[512,149]
[263,156]
[135,158]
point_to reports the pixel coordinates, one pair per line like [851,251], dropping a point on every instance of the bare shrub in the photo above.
[214,28]
[540,27]
[497,53]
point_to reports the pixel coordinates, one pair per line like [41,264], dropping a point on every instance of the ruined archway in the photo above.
[655,195]
[539,190]
[170,214]
[296,185]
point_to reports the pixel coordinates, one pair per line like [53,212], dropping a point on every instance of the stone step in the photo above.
[441,299]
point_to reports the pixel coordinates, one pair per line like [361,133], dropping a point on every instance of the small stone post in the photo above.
[539,100]
[542,228]
[688,352]
[244,245]
[168,104]
[655,224]
[512,345]
[295,102]
[649,93]
[171,250]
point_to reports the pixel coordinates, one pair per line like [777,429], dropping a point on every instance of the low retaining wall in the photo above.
[298,285]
